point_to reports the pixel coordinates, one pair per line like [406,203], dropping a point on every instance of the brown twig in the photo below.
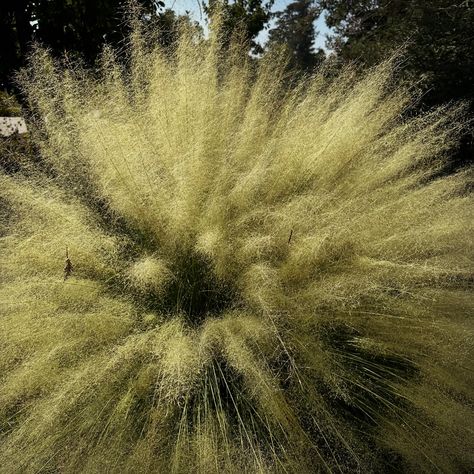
[68,268]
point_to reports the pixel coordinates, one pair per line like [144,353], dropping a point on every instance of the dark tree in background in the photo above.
[294,29]
[250,15]
[15,34]
[76,26]
[83,26]
[167,23]
[439,39]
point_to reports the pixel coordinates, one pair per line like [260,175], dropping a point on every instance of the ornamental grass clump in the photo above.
[261,279]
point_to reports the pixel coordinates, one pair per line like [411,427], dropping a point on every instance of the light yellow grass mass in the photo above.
[264,280]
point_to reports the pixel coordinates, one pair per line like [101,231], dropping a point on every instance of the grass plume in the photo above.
[264,279]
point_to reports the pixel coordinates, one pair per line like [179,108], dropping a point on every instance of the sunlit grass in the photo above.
[262,280]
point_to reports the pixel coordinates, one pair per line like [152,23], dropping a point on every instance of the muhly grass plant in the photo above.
[258,278]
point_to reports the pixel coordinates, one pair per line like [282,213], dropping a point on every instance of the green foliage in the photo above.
[247,16]
[15,33]
[295,30]
[80,27]
[168,24]
[83,26]
[263,280]
[437,34]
